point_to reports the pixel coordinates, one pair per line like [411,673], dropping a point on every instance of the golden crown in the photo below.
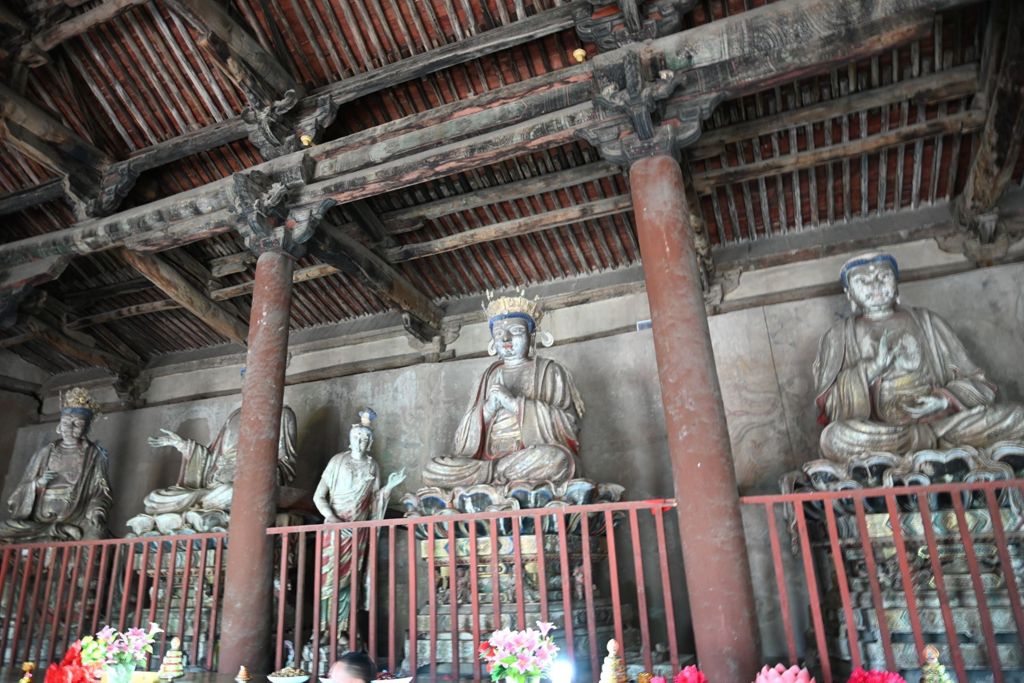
[513,306]
[78,399]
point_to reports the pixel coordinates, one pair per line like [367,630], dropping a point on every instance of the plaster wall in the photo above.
[764,358]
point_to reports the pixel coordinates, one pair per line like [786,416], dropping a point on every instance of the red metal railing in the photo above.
[612,568]
[891,570]
[52,594]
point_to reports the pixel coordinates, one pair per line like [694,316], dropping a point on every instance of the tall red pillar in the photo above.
[248,582]
[714,549]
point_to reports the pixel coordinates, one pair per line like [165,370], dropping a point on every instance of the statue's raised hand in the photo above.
[168,439]
[884,357]
[395,478]
[927,405]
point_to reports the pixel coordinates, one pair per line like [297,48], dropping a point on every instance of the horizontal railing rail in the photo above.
[420,594]
[886,572]
[52,594]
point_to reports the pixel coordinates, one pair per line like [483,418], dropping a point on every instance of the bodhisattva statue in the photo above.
[521,422]
[64,494]
[201,499]
[896,379]
[349,491]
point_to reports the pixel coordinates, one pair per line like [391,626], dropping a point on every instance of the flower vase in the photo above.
[120,672]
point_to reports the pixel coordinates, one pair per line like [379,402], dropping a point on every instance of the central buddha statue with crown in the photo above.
[518,437]
[521,422]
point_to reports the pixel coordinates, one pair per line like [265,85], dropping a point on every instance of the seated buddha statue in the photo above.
[897,379]
[521,422]
[64,493]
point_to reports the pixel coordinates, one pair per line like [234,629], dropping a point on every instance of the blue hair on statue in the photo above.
[505,316]
[83,412]
[866,261]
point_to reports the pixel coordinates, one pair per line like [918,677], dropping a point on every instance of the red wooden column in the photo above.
[714,549]
[248,583]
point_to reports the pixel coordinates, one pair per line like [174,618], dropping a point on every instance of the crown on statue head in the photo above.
[505,307]
[367,416]
[77,401]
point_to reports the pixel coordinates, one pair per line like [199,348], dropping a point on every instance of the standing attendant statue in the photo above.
[349,491]
[896,379]
[64,493]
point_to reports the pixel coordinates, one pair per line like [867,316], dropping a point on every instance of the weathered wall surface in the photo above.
[764,360]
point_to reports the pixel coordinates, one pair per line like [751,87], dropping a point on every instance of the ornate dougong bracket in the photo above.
[653,126]
[118,180]
[262,204]
[597,21]
[276,132]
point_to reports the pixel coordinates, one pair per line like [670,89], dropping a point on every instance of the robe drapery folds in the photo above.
[846,403]
[85,514]
[545,421]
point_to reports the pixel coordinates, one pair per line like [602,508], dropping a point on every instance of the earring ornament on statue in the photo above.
[492,350]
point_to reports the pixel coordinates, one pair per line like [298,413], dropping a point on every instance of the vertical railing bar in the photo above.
[392,597]
[495,581]
[282,596]
[32,604]
[353,603]
[666,584]
[896,524]
[21,601]
[318,558]
[940,586]
[844,588]
[613,573]
[334,604]
[563,546]
[105,581]
[411,562]
[812,593]
[542,574]
[129,559]
[371,595]
[60,580]
[474,594]
[453,597]
[641,590]
[780,582]
[1004,560]
[141,590]
[51,577]
[518,568]
[186,581]
[301,546]
[200,595]
[588,592]
[876,589]
[172,573]
[155,585]
[432,599]
[73,595]
[89,562]
[218,569]
[979,589]
[8,595]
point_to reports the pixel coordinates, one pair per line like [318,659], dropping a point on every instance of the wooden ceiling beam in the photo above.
[725,58]
[180,290]
[961,123]
[34,52]
[336,248]
[75,347]
[1001,137]
[257,72]
[942,86]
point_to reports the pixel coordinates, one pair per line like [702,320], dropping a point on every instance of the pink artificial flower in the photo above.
[545,627]
[524,662]
[780,674]
[859,675]
[690,674]
[658,679]
[106,633]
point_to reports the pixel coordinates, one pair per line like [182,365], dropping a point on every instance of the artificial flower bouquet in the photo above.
[110,647]
[519,656]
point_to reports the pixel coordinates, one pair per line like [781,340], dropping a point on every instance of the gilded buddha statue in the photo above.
[896,379]
[64,493]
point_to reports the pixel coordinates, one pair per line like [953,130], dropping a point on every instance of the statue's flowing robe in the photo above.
[88,497]
[845,397]
[546,447]
[207,473]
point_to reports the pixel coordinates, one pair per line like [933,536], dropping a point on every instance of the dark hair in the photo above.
[359,665]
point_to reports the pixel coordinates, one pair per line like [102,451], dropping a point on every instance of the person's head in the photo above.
[871,282]
[76,413]
[511,338]
[353,667]
[513,323]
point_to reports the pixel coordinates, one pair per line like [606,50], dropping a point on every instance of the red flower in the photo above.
[70,669]
[690,674]
[859,675]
